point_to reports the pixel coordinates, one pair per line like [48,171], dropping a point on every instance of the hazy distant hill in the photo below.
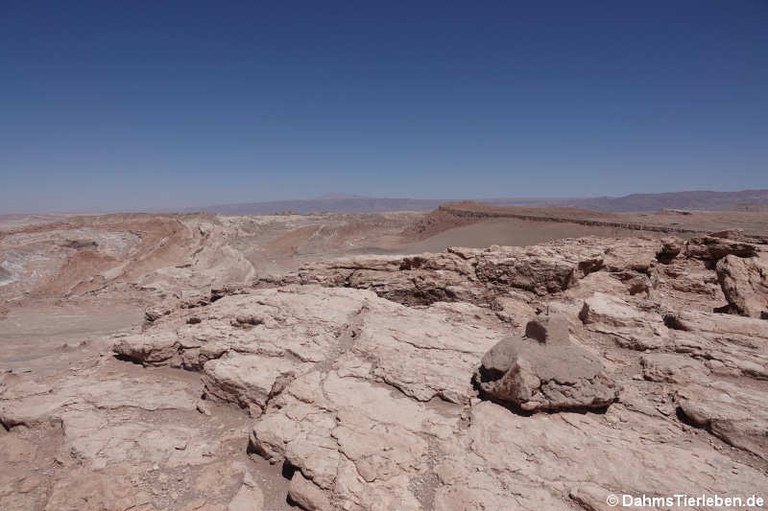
[339,203]
[705,200]
[325,205]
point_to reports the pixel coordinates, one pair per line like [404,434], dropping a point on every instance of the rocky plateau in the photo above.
[547,376]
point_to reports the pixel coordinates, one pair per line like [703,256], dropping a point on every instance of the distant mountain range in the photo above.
[325,205]
[638,202]
[702,200]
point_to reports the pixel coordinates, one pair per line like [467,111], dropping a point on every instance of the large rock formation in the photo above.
[714,248]
[480,276]
[544,371]
[745,284]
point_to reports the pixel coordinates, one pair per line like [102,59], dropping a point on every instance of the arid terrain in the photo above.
[745,200]
[475,357]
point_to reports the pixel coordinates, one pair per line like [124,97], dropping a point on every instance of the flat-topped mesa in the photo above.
[545,371]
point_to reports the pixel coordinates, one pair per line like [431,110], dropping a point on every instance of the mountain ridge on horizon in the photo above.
[635,202]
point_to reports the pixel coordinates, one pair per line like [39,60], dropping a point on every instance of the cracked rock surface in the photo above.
[370,402]
[354,380]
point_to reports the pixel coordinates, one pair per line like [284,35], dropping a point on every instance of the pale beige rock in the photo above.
[249,497]
[613,311]
[381,414]
[545,371]
[724,324]
[423,354]
[600,281]
[672,368]
[357,441]
[109,490]
[308,495]
[735,414]
[501,451]
[479,275]
[745,284]
[713,248]
[248,380]
[534,269]
[670,248]
[369,404]
[513,309]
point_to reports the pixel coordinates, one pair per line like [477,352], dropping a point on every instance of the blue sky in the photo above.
[136,105]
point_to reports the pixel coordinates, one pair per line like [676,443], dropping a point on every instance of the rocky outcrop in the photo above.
[536,269]
[745,284]
[714,248]
[570,461]
[424,354]
[369,404]
[613,311]
[480,276]
[544,371]
[108,436]
[670,248]
[380,383]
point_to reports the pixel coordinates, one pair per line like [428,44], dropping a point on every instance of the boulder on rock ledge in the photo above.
[544,371]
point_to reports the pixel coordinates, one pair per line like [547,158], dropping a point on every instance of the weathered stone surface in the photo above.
[367,404]
[480,275]
[248,380]
[379,412]
[308,495]
[534,270]
[413,280]
[512,309]
[745,284]
[670,248]
[502,460]
[697,321]
[711,248]
[356,441]
[548,329]
[736,415]
[729,234]
[109,437]
[110,490]
[545,371]
[672,368]
[423,354]
[249,497]
[612,311]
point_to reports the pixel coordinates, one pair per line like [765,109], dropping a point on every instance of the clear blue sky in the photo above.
[131,104]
